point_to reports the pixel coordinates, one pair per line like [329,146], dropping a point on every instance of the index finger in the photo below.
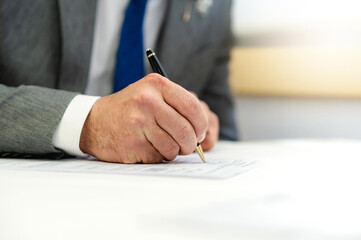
[187,105]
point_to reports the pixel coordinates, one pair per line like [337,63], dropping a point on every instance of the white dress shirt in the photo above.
[109,19]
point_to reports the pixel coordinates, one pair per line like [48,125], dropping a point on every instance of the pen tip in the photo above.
[200,153]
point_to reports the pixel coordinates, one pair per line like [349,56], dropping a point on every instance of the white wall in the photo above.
[273,117]
[297,21]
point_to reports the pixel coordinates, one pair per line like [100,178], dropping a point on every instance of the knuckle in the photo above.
[188,148]
[185,133]
[205,106]
[193,105]
[172,151]
[194,94]
[186,139]
[145,98]
[156,79]
[153,76]
[136,121]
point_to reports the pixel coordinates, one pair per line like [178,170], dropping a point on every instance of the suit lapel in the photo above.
[175,39]
[77,26]
[180,40]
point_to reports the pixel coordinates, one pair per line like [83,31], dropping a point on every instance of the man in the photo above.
[52,49]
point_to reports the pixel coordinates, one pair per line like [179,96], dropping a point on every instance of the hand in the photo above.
[148,121]
[212,133]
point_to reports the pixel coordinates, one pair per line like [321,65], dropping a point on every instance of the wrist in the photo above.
[87,136]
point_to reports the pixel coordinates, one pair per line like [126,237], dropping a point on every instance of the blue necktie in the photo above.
[130,57]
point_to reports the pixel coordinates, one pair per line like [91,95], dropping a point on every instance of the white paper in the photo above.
[182,166]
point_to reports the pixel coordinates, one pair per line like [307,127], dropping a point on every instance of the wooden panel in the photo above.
[318,71]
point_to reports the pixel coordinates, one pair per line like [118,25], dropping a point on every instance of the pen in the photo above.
[158,68]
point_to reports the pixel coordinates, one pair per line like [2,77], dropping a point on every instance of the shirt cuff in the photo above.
[67,133]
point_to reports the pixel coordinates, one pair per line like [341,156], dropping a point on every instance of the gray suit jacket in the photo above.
[45,49]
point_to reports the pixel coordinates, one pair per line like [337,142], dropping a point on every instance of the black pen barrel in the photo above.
[155,63]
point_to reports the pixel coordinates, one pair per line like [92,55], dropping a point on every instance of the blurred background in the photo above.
[296,68]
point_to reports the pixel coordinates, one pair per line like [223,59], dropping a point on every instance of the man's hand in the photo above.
[148,121]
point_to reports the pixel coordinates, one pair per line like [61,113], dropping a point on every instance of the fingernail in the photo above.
[201,137]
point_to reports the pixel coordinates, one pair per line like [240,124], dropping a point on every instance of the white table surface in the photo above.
[298,189]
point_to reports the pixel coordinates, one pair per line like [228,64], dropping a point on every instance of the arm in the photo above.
[29,116]
[144,122]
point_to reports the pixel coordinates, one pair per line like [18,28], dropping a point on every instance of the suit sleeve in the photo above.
[29,116]
[217,94]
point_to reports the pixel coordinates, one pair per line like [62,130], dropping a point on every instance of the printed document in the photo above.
[216,166]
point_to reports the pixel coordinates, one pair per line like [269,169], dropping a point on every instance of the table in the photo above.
[298,189]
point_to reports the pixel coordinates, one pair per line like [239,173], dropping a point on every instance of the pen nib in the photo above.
[200,153]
